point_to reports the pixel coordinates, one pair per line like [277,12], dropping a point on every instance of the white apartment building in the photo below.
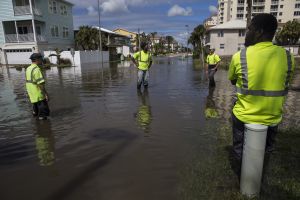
[211,21]
[227,38]
[283,10]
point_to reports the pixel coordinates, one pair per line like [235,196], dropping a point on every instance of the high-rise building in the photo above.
[283,10]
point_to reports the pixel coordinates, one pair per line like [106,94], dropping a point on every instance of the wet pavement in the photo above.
[105,140]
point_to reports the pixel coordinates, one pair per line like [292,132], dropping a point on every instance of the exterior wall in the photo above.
[132,35]
[231,41]
[231,9]
[211,21]
[80,57]
[46,19]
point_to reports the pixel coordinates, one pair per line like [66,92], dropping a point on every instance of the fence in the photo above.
[80,57]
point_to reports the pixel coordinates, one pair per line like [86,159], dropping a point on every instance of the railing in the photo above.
[21,38]
[240,11]
[274,2]
[258,10]
[258,3]
[25,10]
[241,4]
[274,9]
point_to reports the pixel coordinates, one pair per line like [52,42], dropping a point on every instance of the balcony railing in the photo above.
[274,9]
[258,10]
[240,11]
[241,4]
[25,10]
[274,2]
[21,38]
[258,3]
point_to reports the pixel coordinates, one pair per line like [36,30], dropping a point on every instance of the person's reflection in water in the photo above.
[144,115]
[44,140]
[210,108]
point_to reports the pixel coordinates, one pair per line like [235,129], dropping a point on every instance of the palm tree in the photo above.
[88,38]
[290,33]
[153,34]
[170,40]
[197,40]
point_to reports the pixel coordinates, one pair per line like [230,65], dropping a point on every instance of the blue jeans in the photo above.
[143,77]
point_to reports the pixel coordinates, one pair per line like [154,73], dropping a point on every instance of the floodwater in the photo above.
[104,139]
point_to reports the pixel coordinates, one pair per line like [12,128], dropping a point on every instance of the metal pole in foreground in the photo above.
[187,41]
[253,159]
[100,35]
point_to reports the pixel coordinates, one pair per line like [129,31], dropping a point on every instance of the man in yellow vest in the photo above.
[261,72]
[35,85]
[212,61]
[143,60]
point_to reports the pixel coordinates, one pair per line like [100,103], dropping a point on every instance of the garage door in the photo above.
[18,56]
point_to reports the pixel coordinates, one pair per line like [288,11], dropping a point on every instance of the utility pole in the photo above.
[249,12]
[187,40]
[100,35]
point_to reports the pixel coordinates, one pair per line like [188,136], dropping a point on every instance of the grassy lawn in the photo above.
[213,178]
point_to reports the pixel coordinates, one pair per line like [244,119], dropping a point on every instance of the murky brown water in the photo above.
[104,139]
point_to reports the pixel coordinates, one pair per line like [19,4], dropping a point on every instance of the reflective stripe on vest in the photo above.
[245,91]
[148,60]
[31,77]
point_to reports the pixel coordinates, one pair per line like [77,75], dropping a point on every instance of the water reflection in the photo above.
[45,143]
[210,108]
[144,114]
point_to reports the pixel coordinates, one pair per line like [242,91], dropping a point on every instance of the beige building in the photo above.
[283,10]
[227,38]
[130,34]
[211,21]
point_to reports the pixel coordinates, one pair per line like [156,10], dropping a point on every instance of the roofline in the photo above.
[67,2]
[124,30]
[233,28]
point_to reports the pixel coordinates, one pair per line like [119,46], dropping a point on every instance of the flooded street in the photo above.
[104,139]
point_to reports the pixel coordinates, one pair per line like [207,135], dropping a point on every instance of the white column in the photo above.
[16,27]
[33,23]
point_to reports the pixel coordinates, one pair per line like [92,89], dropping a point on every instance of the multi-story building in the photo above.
[28,26]
[283,10]
[211,21]
[227,38]
[131,35]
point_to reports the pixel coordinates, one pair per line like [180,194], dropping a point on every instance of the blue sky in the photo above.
[167,17]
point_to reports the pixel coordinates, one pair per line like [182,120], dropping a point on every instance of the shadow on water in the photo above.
[123,137]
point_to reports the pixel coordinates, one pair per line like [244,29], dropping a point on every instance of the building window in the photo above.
[281,6]
[279,20]
[63,10]
[22,30]
[222,46]
[280,14]
[297,5]
[220,34]
[65,32]
[241,33]
[297,13]
[52,6]
[54,31]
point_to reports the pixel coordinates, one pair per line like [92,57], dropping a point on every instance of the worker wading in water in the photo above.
[143,61]
[212,61]
[35,85]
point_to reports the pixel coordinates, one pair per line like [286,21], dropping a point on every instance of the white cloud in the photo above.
[115,6]
[213,10]
[176,10]
[92,11]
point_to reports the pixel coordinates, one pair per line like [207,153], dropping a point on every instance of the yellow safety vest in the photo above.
[144,59]
[34,77]
[263,73]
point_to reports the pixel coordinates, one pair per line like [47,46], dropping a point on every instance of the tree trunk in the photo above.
[249,11]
